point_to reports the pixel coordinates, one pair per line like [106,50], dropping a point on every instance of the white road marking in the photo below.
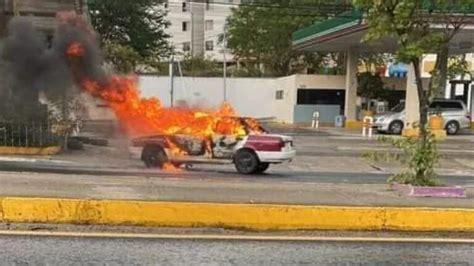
[32,160]
[236,237]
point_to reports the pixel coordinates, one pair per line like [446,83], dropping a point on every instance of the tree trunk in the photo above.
[442,62]
[423,108]
[423,100]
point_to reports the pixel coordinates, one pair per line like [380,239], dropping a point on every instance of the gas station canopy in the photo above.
[346,31]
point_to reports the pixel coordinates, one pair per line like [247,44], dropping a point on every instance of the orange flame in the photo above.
[75,50]
[168,167]
[147,116]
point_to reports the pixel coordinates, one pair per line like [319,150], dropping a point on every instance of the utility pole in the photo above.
[171,67]
[225,63]
[192,34]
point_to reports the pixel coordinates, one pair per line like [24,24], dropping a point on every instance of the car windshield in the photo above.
[398,108]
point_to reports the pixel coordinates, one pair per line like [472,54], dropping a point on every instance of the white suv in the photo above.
[454,113]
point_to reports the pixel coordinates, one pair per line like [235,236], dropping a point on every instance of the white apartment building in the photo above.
[196,26]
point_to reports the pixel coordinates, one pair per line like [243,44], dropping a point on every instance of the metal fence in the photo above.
[14,134]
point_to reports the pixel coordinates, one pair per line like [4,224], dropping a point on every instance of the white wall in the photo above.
[250,96]
[255,97]
[284,108]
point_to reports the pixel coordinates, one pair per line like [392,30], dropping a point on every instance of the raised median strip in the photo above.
[245,216]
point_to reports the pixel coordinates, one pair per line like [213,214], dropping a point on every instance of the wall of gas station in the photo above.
[289,110]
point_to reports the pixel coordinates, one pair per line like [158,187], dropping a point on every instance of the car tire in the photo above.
[262,167]
[246,162]
[154,156]
[452,128]
[396,127]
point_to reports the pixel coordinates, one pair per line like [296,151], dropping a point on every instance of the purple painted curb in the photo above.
[435,192]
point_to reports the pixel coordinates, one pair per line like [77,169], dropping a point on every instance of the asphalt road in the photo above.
[135,251]
[210,172]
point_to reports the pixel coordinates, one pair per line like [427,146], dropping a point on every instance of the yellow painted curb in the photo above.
[248,216]
[439,134]
[354,124]
[29,151]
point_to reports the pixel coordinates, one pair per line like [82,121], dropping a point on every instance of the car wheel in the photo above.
[246,162]
[396,127]
[452,128]
[262,167]
[154,156]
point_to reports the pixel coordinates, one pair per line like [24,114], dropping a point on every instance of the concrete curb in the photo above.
[248,216]
[29,150]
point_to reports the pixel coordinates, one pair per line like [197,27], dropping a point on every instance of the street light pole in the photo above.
[171,67]
[225,63]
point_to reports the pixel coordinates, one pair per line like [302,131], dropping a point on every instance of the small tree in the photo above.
[410,23]
[200,66]
[123,58]
[370,86]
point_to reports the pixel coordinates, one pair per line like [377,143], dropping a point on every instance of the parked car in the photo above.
[454,112]
[250,152]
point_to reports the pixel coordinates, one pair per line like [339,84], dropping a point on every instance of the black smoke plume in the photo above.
[32,61]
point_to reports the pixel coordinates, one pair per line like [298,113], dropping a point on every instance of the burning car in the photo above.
[167,136]
[237,140]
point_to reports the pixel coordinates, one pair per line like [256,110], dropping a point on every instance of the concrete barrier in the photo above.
[246,216]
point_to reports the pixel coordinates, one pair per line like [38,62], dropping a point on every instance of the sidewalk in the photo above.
[206,188]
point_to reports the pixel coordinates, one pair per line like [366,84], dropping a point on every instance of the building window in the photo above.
[446,106]
[230,1]
[209,45]
[209,24]
[186,46]
[166,4]
[208,4]
[279,95]
[321,96]
[184,7]
[185,25]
